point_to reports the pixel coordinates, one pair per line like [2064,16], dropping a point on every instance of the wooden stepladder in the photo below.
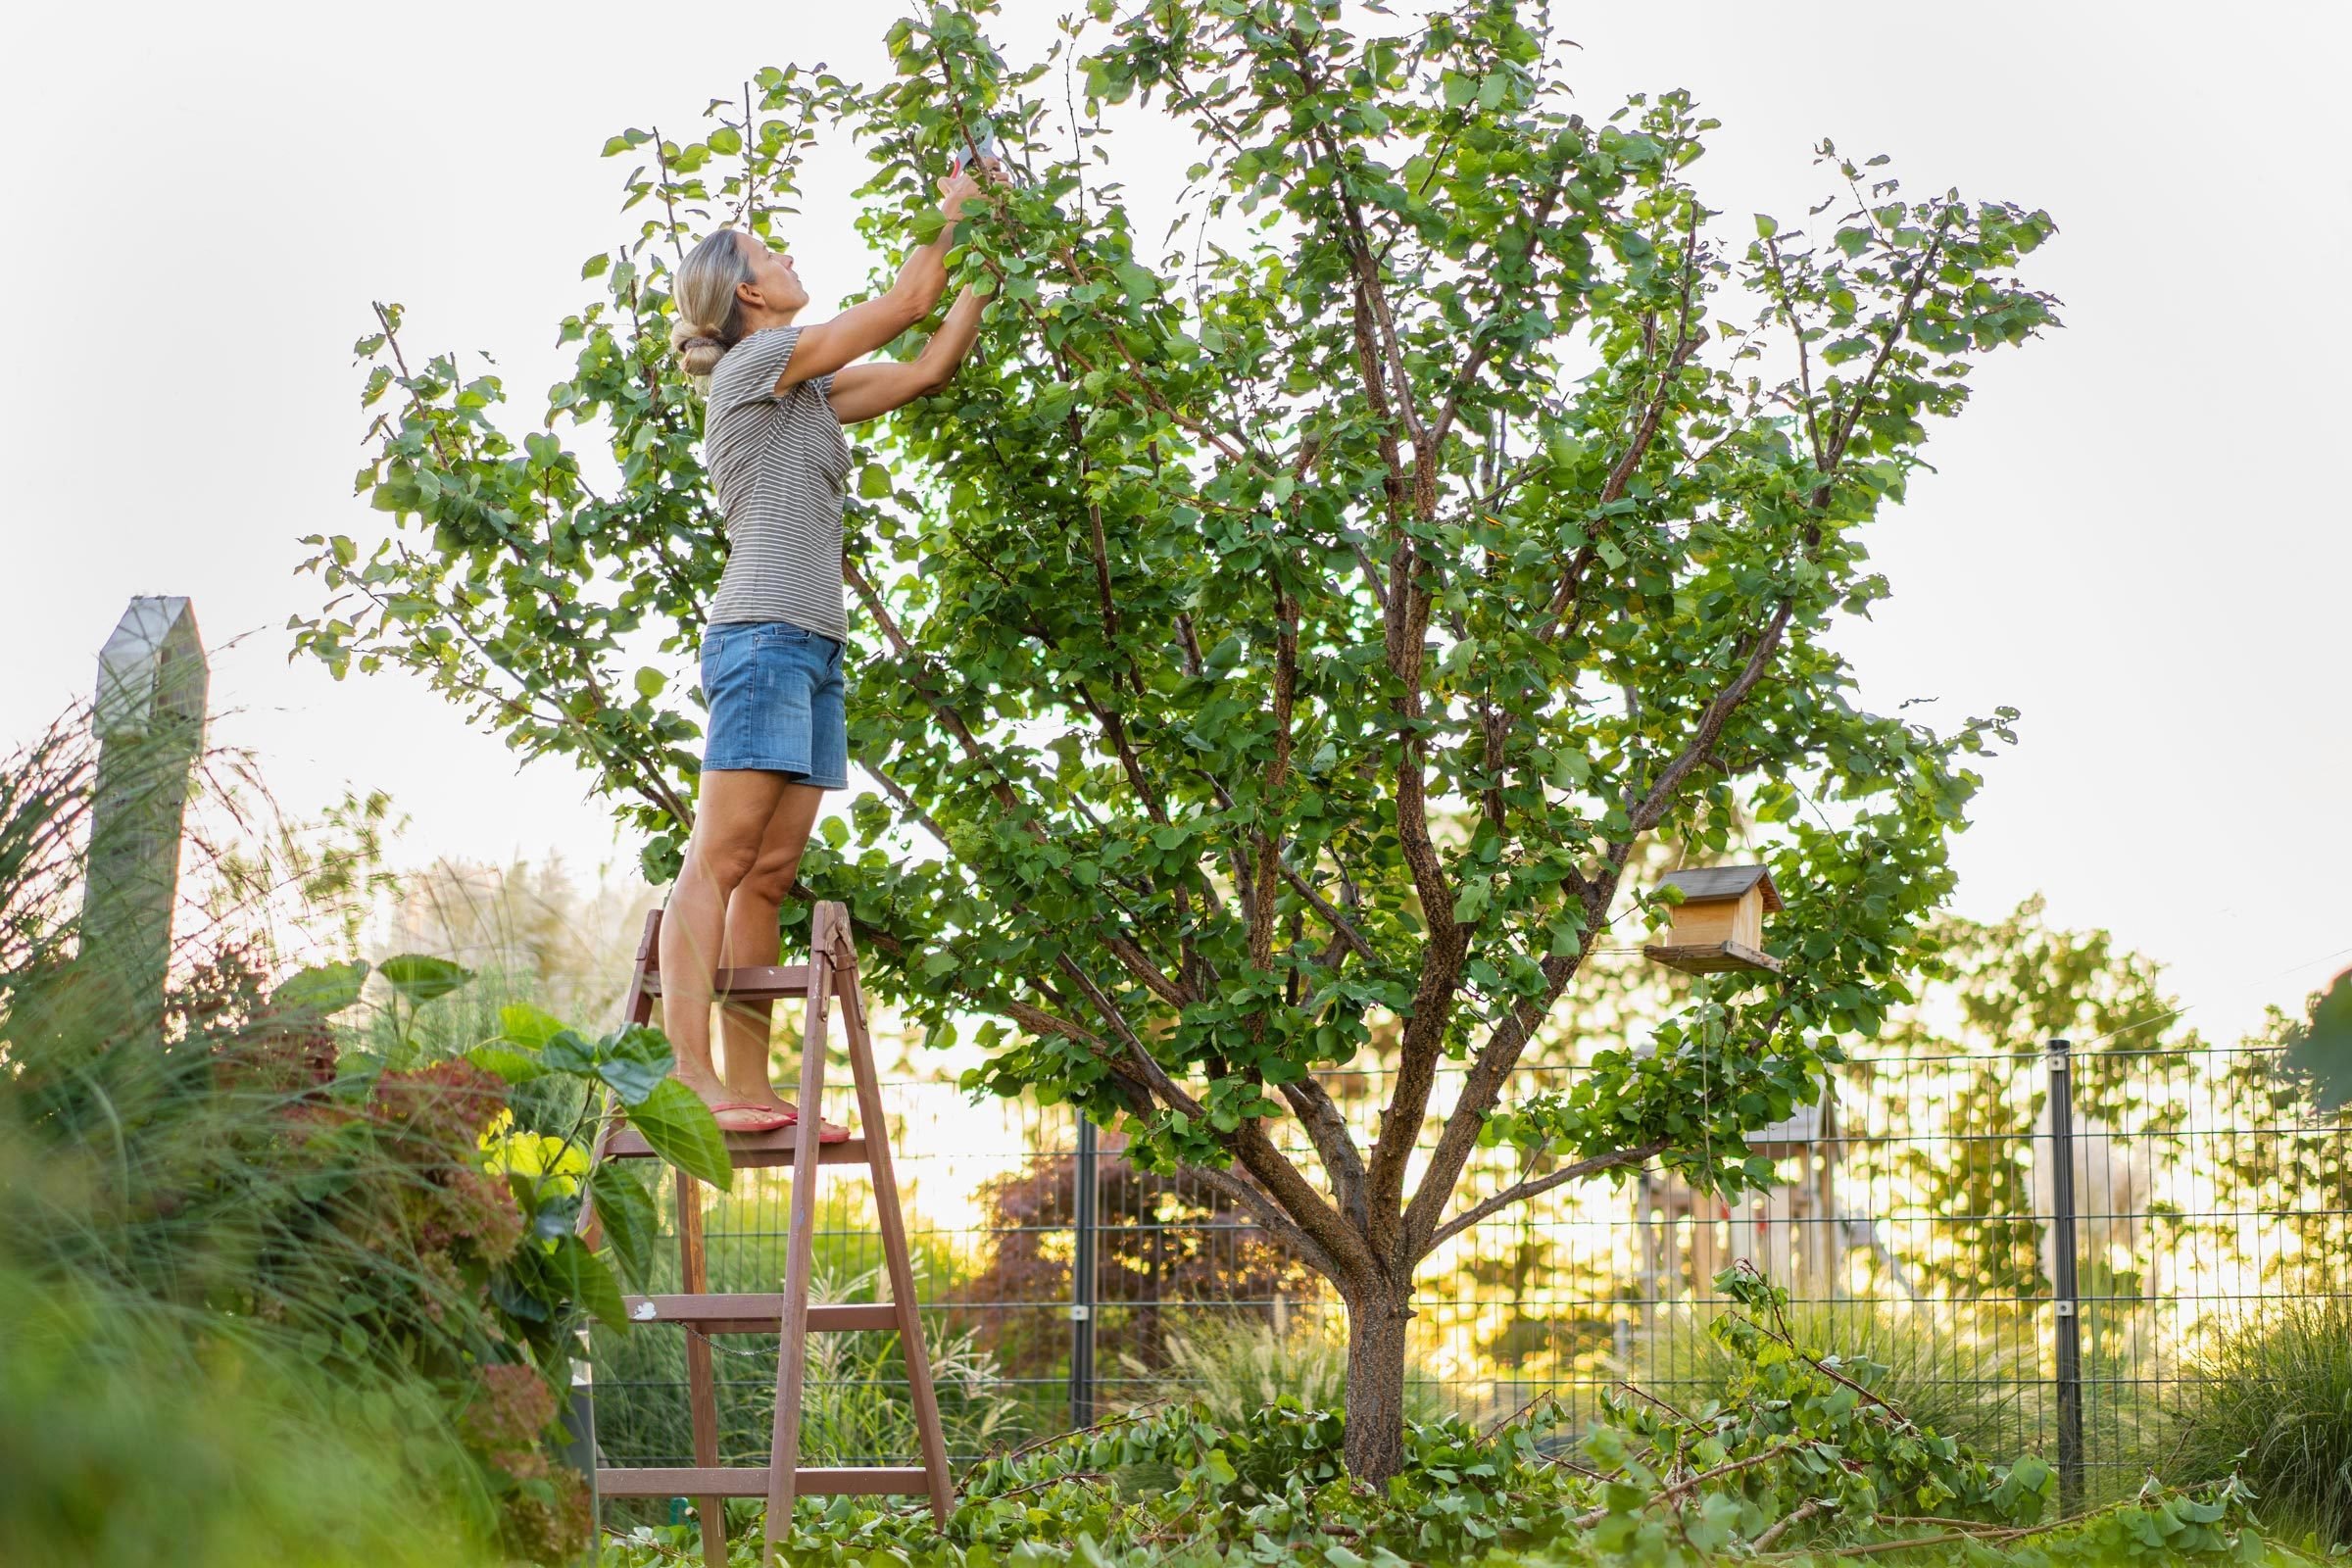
[831,972]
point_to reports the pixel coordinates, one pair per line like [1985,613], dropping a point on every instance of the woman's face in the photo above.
[774,287]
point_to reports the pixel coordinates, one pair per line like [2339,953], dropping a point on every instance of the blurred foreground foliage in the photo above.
[276,1281]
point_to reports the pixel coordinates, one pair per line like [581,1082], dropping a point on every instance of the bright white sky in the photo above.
[2138,535]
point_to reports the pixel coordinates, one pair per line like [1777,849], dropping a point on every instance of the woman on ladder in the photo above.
[776,395]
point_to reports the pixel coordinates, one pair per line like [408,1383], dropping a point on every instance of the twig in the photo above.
[650,1545]
[1169,1524]
[1049,1480]
[1683,1489]
[662,179]
[1639,1391]
[1104,1425]
[1812,1507]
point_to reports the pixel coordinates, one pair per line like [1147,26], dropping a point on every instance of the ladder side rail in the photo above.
[893,1226]
[792,1344]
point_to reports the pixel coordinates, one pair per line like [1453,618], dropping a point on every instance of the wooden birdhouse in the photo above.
[1718,925]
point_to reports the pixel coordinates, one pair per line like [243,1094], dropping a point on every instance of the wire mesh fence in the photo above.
[1918,1219]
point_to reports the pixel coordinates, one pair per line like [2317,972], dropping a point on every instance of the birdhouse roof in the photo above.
[1711,883]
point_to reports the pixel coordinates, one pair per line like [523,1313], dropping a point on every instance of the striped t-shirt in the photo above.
[777,462]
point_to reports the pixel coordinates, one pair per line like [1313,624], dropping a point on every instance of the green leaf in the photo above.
[1140,285]
[632,1222]
[422,977]
[568,1051]
[589,1282]
[525,1026]
[633,1061]
[682,1131]
[325,988]
[513,1065]
[650,682]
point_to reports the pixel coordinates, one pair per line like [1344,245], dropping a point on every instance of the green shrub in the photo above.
[2271,1399]
[1951,1378]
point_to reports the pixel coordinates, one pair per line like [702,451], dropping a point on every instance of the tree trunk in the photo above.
[1376,1325]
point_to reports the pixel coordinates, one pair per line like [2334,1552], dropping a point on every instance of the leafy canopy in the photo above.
[1290,622]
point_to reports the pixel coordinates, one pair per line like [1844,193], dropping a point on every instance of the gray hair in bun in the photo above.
[710,319]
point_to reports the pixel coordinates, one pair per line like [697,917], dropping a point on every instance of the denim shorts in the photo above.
[777,702]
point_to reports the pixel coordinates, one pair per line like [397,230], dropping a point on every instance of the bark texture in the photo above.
[1376,1331]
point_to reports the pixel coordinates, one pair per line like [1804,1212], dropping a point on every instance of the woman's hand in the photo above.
[961,186]
[953,191]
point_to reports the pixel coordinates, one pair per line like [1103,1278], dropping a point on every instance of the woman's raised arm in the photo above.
[863,328]
[867,391]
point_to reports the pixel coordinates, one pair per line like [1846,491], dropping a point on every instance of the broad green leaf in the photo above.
[1141,284]
[421,977]
[633,1061]
[566,1051]
[326,988]
[632,1222]
[681,1130]
[526,1027]
[589,1282]
[513,1065]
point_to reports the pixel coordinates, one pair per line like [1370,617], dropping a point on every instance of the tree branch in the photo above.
[1327,1129]
[1522,1191]
[1270,1214]
[1718,712]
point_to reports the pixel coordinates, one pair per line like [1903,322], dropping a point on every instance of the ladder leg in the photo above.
[702,1389]
[792,1344]
[893,1226]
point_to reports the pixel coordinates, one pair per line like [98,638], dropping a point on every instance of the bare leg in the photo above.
[750,940]
[735,810]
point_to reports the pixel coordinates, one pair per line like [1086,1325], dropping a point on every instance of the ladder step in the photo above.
[746,1150]
[771,983]
[755,1313]
[750,1481]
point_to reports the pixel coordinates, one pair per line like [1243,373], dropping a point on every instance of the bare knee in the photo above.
[726,867]
[770,877]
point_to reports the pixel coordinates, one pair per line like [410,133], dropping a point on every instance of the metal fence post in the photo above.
[1082,1281]
[2065,1285]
